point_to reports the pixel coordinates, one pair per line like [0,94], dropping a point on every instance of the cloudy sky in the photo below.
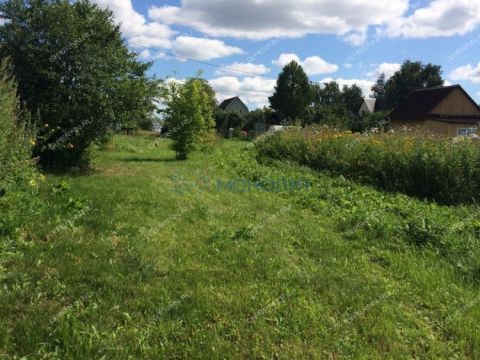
[350,41]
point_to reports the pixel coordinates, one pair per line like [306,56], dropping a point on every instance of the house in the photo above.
[368,107]
[448,111]
[234,105]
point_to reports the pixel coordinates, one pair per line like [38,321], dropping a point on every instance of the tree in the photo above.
[188,114]
[352,98]
[377,120]
[75,74]
[329,107]
[379,93]
[292,93]
[263,115]
[224,121]
[331,94]
[410,77]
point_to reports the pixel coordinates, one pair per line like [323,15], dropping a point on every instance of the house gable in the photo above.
[368,106]
[457,103]
[234,105]
[449,103]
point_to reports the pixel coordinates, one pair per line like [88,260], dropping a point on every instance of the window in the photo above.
[466,131]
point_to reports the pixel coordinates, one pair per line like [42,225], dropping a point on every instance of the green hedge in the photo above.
[436,168]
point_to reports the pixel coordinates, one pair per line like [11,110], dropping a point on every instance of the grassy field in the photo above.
[217,258]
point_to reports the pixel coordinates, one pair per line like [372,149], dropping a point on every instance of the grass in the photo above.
[155,260]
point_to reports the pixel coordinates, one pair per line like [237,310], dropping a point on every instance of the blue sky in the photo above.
[351,41]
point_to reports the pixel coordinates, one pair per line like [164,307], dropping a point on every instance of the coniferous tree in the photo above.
[292,93]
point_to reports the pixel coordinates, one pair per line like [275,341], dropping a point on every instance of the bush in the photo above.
[376,120]
[189,114]
[18,177]
[440,169]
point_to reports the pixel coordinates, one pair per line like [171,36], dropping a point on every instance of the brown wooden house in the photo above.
[448,111]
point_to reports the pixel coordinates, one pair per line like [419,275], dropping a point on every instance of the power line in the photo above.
[201,62]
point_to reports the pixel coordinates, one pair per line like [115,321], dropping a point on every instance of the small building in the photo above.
[368,107]
[234,105]
[448,111]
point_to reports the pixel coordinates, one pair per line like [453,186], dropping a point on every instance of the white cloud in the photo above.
[467,73]
[151,33]
[365,85]
[134,25]
[264,19]
[254,91]
[170,80]
[356,38]
[313,65]
[386,68]
[439,18]
[203,49]
[251,69]
[144,54]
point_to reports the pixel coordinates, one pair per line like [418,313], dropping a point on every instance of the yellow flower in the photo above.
[46,125]
[42,177]
[32,141]
[33,183]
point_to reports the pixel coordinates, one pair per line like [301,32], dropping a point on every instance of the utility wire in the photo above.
[200,62]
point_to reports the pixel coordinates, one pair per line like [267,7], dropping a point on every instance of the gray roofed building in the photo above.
[368,106]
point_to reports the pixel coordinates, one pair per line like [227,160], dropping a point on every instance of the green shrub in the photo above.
[19,180]
[440,169]
[189,114]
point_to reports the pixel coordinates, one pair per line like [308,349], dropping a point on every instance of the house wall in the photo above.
[397,125]
[238,107]
[454,127]
[457,103]
[433,126]
[438,127]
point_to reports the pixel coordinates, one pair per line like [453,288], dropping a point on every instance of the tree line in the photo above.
[299,100]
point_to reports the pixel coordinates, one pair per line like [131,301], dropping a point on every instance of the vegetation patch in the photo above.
[417,164]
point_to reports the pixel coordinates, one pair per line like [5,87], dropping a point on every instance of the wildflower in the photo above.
[70,146]
[32,141]
[42,177]
[32,183]
[46,125]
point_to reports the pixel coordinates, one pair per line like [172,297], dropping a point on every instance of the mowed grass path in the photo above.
[166,265]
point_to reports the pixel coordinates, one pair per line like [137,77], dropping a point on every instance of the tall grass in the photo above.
[18,176]
[414,163]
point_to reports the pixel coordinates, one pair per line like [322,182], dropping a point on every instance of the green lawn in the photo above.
[148,257]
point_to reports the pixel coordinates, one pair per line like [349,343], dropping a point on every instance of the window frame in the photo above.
[467,131]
